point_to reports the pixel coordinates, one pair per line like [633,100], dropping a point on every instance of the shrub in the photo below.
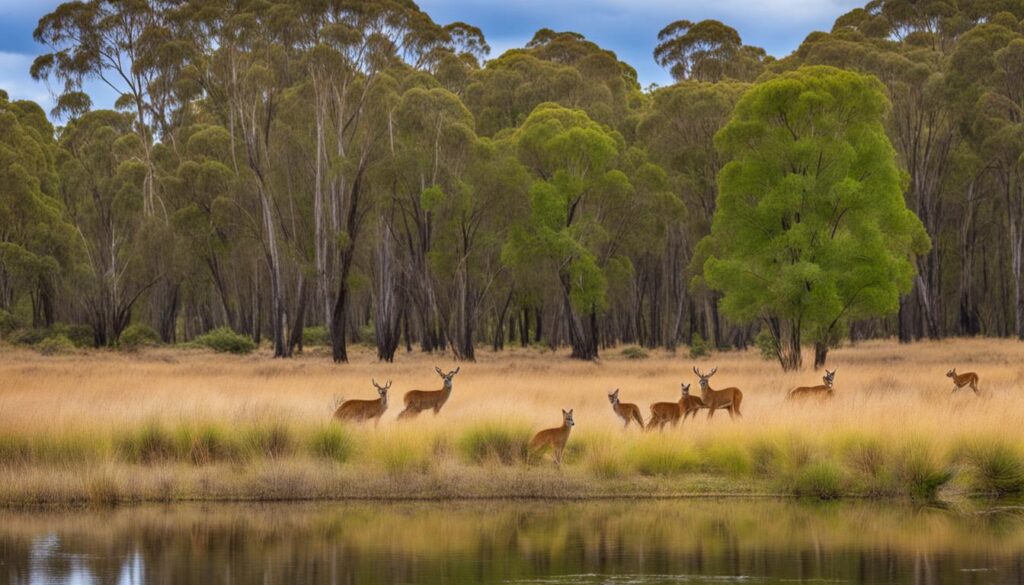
[9,323]
[272,440]
[225,340]
[997,467]
[819,479]
[505,443]
[317,336]
[30,336]
[150,444]
[56,345]
[79,333]
[136,336]
[767,346]
[331,442]
[698,347]
[920,471]
[634,353]
[368,334]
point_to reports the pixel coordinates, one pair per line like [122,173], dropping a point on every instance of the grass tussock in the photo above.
[242,426]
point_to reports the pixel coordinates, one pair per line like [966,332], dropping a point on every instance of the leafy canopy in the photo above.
[811,225]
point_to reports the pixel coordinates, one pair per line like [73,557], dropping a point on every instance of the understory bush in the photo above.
[225,340]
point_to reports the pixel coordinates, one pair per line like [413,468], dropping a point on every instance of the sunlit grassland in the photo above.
[183,424]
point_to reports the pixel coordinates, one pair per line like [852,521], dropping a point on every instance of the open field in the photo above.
[170,424]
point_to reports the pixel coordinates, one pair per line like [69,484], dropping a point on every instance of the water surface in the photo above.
[578,543]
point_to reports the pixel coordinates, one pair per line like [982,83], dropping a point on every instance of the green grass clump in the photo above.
[152,443]
[919,471]
[209,443]
[635,353]
[996,466]
[317,336]
[494,441]
[225,340]
[271,440]
[727,458]
[402,451]
[819,479]
[655,457]
[330,442]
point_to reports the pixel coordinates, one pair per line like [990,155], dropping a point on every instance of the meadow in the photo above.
[167,424]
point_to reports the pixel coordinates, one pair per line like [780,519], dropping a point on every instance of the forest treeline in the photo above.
[355,168]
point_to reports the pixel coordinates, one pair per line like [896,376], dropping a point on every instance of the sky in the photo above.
[627,27]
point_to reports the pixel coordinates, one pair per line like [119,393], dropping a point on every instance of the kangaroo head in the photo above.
[567,418]
[686,389]
[613,397]
[382,390]
[829,377]
[704,377]
[447,377]
[951,373]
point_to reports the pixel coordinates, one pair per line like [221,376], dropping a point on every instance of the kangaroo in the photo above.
[626,411]
[961,380]
[555,438]
[729,398]
[363,410]
[663,413]
[826,390]
[416,401]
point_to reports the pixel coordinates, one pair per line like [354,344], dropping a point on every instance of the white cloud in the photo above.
[16,81]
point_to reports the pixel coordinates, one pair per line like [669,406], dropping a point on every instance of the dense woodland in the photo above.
[354,168]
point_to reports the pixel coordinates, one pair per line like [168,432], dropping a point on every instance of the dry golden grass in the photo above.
[210,424]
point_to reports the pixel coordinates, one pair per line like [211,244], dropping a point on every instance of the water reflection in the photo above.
[610,542]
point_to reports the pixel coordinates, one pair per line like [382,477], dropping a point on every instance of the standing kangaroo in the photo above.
[416,401]
[690,404]
[626,411]
[825,390]
[961,380]
[362,410]
[728,398]
[555,438]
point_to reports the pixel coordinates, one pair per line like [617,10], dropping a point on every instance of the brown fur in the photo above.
[663,413]
[627,412]
[363,410]
[555,438]
[416,401]
[825,390]
[965,379]
[727,398]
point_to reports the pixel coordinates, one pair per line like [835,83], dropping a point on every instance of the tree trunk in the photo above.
[298,325]
[582,338]
[820,354]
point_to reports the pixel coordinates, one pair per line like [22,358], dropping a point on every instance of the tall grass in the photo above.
[892,429]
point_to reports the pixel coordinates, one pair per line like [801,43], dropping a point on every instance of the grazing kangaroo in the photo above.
[826,390]
[626,411]
[555,438]
[728,398]
[416,401]
[961,380]
[362,410]
[663,413]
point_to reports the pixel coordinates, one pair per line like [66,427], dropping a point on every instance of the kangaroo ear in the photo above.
[564,413]
[570,412]
[457,370]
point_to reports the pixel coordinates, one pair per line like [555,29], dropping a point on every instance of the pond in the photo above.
[515,542]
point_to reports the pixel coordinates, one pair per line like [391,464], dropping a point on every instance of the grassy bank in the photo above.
[182,425]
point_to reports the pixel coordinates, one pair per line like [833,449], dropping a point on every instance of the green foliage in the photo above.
[316,336]
[698,346]
[819,479]
[331,442]
[504,443]
[55,345]
[766,345]
[225,340]
[9,323]
[812,228]
[136,336]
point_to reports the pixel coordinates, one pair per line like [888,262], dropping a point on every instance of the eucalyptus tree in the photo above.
[708,50]
[811,228]
[584,208]
[38,245]
[103,181]
[678,129]
[989,75]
